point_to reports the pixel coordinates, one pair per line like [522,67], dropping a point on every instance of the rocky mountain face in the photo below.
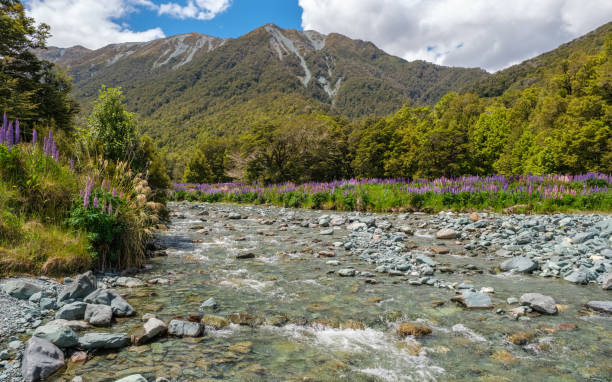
[186,80]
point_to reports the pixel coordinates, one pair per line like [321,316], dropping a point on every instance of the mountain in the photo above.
[188,84]
[535,71]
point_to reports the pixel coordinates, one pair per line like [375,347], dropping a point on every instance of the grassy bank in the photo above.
[533,194]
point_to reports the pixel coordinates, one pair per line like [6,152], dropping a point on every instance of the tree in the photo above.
[32,90]
[111,128]
[198,170]
[150,161]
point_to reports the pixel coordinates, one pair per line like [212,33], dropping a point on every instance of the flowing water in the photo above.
[312,325]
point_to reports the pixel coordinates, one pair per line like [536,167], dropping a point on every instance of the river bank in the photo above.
[345,296]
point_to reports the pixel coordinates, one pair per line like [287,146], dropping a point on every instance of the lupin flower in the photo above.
[17,132]
[95,202]
[34,136]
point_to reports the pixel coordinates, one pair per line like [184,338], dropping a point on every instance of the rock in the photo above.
[446,234]
[520,264]
[327,232]
[582,237]
[58,334]
[77,326]
[577,277]
[181,328]
[425,260]
[73,311]
[234,216]
[40,359]
[21,289]
[606,284]
[347,272]
[410,329]
[211,303]
[468,333]
[91,341]
[516,313]
[35,298]
[16,344]
[356,226]
[337,221]
[129,282]
[539,302]
[159,281]
[120,307]
[520,338]
[216,322]
[47,303]
[600,306]
[246,255]
[473,300]
[245,319]
[152,328]
[5,355]
[475,217]
[79,356]
[406,229]
[79,288]
[132,378]
[439,249]
[98,314]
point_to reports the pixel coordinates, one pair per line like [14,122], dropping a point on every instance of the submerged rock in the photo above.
[40,360]
[211,303]
[473,300]
[216,322]
[411,329]
[539,302]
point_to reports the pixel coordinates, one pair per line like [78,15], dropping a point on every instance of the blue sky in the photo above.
[240,18]
[491,34]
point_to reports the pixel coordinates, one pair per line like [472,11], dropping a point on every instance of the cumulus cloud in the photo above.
[90,23]
[491,34]
[195,9]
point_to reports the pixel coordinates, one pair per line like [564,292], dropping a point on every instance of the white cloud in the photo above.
[90,22]
[491,34]
[195,9]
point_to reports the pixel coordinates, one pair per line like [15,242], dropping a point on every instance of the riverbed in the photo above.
[302,321]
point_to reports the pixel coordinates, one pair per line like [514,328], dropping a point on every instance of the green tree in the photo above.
[111,128]
[198,169]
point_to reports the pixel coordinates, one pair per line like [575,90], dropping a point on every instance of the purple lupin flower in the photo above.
[72,164]
[17,132]
[34,136]
[110,209]
[9,139]
[96,202]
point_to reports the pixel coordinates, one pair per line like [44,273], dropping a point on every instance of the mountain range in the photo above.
[192,84]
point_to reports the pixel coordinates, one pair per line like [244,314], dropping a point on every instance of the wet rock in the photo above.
[211,303]
[132,378]
[411,329]
[347,272]
[446,234]
[243,319]
[607,282]
[577,277]
[473,300]
[425,260]
[245,255]
[182,328]
[40,360]
[58,334]
[79,288]
[91,341]
[98,314]
[439,249]
[21,289]
[151,329]
[539,303]
[600,306]
[129,282]
[520,264]
[73,311]
[79,356]
[216,322]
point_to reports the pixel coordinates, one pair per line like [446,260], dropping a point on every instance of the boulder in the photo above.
[152,328]
[79,288]
[98,314]
[520,264]
[582,237]
[182,328]
[337,221]
[577,277]
[73,311]
[129,282]
[473,300]
[21,289]
[446,234]
[47,303]
[539,302]
[91,341]
[132,378]
[600,306]
[58,334]
[77,326]
[347,272]
[40,360]
[120,307]
[606,284]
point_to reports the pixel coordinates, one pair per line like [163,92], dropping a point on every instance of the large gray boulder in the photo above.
[21,289]
[92,341]
[152,328]
[577,277]
[520,264]
[539,302]
[600,306]
[58,334]
[79,288]
[73,311]
[40,360]
[182,328]
[98,314]
[120,307]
